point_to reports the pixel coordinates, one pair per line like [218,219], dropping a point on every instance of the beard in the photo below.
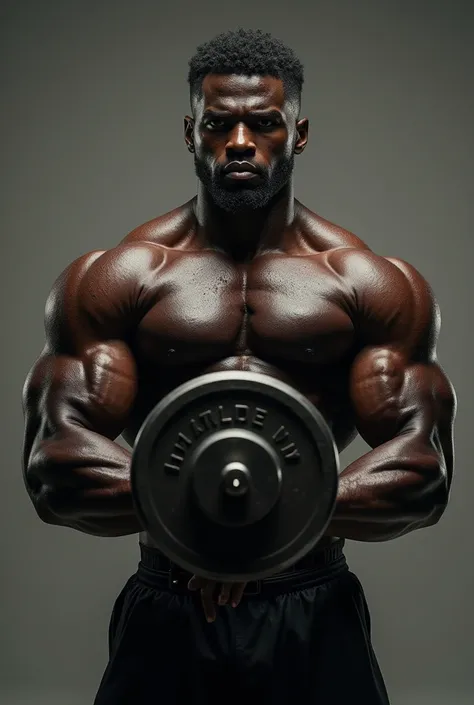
[238,198]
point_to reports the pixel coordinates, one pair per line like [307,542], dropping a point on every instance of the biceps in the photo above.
[111,380]
[95,391]
[392,397]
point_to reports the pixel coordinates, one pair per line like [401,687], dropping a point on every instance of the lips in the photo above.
[241,175]
[240,171]
[240,168]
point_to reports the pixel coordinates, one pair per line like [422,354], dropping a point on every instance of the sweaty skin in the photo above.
[312,305]
[352,331]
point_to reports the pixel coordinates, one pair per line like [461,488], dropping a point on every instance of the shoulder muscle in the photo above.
[97,296]
[393,304]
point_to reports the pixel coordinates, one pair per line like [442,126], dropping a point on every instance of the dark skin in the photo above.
[274,289]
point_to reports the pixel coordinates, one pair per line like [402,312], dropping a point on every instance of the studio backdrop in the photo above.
[93,100]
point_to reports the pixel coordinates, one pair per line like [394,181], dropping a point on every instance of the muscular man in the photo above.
[242,277]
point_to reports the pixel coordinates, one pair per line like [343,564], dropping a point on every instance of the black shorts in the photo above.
[303,646]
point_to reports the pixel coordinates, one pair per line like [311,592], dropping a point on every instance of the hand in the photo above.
[229,592]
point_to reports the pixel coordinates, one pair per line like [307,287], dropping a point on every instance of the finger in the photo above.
[207,599]
[225,593]
[237,593]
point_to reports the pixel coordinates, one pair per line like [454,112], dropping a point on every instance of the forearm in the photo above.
[80,479]
[390,491]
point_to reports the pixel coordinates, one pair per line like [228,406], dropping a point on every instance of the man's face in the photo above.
[244,123]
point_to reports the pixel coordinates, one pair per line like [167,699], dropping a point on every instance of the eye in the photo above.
[266,123]
[215,124]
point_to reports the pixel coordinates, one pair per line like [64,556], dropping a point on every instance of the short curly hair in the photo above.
[247,52]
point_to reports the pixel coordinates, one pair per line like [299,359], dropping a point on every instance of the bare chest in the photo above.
[291,309]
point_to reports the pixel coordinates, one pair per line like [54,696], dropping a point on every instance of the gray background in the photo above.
[93,99]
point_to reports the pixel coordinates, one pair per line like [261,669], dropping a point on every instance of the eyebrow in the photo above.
[268,113]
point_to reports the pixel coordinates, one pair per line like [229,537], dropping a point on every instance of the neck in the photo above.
[243,235]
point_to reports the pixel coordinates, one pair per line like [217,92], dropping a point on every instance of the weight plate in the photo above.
[162,475]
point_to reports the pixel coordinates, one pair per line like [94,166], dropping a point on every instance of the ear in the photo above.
[189,132]
[302,127]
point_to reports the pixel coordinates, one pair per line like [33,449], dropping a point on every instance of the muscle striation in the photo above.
[403,404]
[111,380]
[77,400]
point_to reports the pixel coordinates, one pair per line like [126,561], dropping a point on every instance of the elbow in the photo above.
[47,505]
[437,510]
[48,501]
[50,498]
[434,502]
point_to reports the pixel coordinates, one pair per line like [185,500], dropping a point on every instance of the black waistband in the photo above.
[320,565]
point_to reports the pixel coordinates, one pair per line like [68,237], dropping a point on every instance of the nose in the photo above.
[240,142]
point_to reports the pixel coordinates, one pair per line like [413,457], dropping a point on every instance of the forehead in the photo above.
[238,93]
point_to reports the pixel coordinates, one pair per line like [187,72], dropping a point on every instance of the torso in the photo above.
[284,314]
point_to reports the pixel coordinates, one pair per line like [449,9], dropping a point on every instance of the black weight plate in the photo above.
[161,475]
[259,477]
